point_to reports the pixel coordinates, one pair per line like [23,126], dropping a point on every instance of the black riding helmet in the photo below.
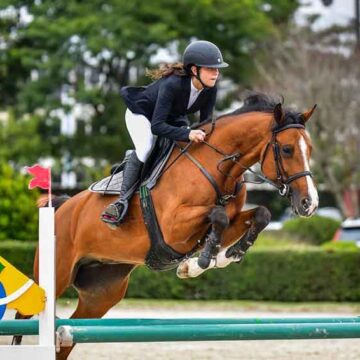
[203,54]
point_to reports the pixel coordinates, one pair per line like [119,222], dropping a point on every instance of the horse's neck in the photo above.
[247,134]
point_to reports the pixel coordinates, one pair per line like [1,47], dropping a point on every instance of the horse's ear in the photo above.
[307,114]
[279,114]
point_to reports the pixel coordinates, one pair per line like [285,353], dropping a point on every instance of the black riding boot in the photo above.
[114,214]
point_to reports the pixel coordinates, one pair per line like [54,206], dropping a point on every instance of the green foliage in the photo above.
[87,49]
[274,274]
[290,275]
[19,253]
[279,239]
[22,140]
[315,230]
[55,40]
[18,215]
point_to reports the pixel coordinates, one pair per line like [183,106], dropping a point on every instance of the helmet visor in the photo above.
[215,66]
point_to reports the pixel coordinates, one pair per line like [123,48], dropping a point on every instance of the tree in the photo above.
[307,70]
[22,140]
[59,54]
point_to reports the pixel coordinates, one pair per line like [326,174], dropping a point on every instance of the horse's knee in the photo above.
[218,216]
[262,216]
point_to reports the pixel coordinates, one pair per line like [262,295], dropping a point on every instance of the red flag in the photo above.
[41,177]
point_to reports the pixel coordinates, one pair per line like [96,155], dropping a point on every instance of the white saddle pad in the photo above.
[111,185]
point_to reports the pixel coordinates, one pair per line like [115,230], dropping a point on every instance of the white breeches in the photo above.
[139,128]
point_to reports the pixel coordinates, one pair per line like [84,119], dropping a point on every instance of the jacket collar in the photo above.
[186,88]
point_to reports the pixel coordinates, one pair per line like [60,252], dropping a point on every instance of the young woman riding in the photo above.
[160,109]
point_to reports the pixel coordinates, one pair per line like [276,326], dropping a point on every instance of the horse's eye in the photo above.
[287,150]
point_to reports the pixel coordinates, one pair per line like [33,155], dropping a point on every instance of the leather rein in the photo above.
[283,180]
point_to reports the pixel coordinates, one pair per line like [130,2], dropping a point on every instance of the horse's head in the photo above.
[285,160]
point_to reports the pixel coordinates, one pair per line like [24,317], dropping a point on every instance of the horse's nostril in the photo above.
[306,203]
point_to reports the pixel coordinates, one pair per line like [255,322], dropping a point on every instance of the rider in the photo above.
[159,110]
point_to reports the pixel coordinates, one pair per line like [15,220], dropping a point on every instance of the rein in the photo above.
[283,180]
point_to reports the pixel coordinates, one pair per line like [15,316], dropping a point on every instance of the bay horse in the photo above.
[97,261]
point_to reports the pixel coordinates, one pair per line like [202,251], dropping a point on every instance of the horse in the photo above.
[97,261]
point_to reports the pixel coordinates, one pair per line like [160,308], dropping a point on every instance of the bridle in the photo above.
[283,180]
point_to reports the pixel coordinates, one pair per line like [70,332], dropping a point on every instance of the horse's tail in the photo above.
[57,201]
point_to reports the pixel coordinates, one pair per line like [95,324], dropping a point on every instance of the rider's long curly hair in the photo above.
[166,70]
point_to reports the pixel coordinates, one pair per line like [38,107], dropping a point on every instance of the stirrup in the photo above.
[112,215]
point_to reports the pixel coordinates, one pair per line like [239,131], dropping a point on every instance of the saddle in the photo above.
[150,173]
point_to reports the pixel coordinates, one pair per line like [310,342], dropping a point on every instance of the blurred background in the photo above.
[62,64]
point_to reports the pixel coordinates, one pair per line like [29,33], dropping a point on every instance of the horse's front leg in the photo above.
[234,251]
[219,222]
[237,238]
[195,266]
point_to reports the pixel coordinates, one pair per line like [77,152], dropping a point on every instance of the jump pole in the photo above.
[31,327]
[70,335]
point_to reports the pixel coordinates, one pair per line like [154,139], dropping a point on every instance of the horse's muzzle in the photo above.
[304,206]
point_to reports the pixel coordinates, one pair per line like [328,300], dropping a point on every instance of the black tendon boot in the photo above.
[114,214]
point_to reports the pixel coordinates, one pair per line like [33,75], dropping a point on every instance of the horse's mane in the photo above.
[257,101]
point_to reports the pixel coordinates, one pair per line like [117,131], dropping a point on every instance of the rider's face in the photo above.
[208,75]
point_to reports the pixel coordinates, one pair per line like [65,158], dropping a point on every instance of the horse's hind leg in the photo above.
[16,340]
[100,287]
[63,278]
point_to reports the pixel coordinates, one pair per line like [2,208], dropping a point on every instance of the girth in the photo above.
[160,256]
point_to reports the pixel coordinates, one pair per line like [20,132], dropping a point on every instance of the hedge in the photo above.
[278,275]
[18,215]
[315,230]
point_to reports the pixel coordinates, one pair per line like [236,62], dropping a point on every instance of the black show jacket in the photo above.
[164,103]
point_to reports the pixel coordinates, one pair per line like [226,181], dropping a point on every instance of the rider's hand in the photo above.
[197,135]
